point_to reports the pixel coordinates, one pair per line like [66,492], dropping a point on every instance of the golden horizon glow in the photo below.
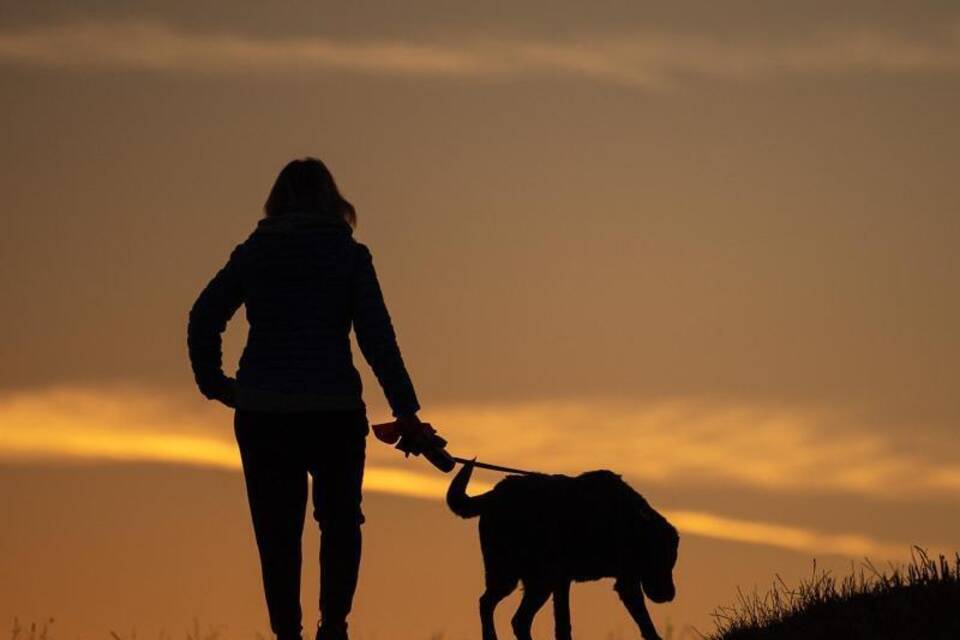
[70,425]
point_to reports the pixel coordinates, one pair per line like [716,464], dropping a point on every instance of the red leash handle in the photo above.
[416,438]
[388,432]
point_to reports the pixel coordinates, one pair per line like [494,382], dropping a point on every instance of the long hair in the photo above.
[308,186]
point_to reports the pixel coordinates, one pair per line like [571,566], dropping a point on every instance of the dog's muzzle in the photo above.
[660,595]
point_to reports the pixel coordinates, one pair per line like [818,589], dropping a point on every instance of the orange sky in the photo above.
[712,248]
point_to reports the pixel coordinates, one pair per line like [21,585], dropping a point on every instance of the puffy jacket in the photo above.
[304,281]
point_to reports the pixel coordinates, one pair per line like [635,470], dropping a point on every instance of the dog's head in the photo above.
[656,573]
[659,542]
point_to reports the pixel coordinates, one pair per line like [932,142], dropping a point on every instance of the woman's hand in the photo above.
[228,393]
[417,436]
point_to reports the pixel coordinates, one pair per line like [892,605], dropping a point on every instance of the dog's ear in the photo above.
[651,529]
[670,536]
[638,525]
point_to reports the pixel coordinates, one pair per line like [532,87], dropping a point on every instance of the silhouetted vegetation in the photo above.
[42,631]
[33,632]
[918,601]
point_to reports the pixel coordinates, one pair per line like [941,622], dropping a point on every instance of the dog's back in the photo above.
[551,526]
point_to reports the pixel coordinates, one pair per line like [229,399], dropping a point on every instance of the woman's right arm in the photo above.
[208,319]
[377,339]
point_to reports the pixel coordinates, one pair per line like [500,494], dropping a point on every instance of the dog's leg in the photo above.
[632,597]
[497,590]
[561,611]
[535,594]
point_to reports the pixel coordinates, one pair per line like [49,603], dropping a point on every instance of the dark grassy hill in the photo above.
[920,601]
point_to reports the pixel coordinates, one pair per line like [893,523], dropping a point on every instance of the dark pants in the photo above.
[278,450]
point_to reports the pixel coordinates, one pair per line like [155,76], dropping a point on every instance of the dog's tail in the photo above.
[457,499]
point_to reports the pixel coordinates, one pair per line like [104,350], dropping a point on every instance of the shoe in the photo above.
[334,631]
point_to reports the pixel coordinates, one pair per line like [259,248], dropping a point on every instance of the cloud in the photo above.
[693,442]
[779,449]
[648,59]
[83,425]
[91,425]
[785,537]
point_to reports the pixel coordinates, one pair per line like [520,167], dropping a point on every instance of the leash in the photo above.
[432,446]
[495,467]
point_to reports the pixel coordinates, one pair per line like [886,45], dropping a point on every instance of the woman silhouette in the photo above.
[297,396]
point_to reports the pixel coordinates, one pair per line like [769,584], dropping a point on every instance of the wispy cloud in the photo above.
[794,538]
[788,450]
[651,59]
[784,450]
[87,425]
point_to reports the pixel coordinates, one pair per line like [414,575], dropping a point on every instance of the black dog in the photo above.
[550,530]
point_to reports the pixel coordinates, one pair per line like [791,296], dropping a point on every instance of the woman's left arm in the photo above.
[208,319]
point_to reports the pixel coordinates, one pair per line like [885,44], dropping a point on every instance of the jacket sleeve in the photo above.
[208,319]
[376,337]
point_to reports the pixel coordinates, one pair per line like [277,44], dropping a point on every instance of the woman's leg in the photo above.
[276,480]
[337,468]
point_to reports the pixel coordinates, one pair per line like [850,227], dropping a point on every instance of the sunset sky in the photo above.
[711,246]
